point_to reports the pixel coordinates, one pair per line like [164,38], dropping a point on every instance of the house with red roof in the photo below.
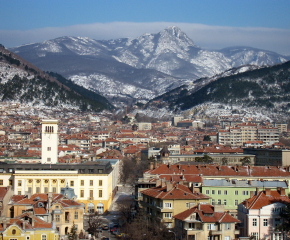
[260,214]
[205,221]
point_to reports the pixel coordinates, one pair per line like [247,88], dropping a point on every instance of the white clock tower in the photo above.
[49,149]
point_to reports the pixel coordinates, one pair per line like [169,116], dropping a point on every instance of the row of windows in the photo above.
[82,183]
[57,217]
[219,192]
[265,222]
[82,193]
[219,202]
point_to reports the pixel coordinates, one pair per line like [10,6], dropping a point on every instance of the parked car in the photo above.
[105,227]
[120,235]
[113,229]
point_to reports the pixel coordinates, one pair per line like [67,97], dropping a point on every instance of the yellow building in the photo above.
[27,227]
[93,182]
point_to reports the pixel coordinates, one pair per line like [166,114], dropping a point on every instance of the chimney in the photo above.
[163,183]
[4,224]
[23,224]
[281,191]
[151,166]
[247,204]
[32,221]
[257,191]
[267,191]
[198,206]
[249,182]
[169,186]
[252,193]
[158,182]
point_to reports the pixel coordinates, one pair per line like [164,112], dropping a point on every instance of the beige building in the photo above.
[144,126]
[166,200]
[206,221]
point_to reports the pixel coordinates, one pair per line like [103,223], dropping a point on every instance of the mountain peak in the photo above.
[176,32]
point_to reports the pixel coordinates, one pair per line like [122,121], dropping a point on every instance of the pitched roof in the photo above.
[261,199]
[207,214]
[177,191]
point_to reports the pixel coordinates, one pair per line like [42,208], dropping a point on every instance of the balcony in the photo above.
[192,231]
[162,209]
[215,232]
[90,198]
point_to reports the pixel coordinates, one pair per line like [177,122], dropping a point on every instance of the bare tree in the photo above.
[95,221]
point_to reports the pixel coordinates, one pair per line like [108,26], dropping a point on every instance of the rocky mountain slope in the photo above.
[247,89]
[140,68]
[23,83]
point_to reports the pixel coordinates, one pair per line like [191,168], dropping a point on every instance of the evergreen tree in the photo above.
[73,233]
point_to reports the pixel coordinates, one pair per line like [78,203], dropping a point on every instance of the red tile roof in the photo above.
[261,199]
[178,191]
[204,211]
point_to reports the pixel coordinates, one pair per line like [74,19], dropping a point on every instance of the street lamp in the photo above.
[174,234]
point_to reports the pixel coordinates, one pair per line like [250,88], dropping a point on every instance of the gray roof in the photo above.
[243,183]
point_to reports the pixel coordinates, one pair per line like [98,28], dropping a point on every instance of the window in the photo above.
[71,183]
[206,191]
[10,182]
[27,237]
[245,192]
[91,182]
[265,222]
[76,215]
[167,215]
[255,234]
[43,237]
[191,225]
[48,148]
[100,182]
[82,193]
[236,192]
[91,193]
[30,189]
[82,182]
[46,189]
[225,192]
[19,183]
[1,182]
[236,202]
[38,190]
[227,226]
[48,160]
[19,192]
[225,202]
[13,231]
[212,201]
[54,189]
[100,193]
[219,192]
[168,205]
[57,218]
[254,222]
[212,191]
[211,226]
[219,202]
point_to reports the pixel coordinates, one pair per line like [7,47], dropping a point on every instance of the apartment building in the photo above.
[269,156]
[166,200]
[260,215]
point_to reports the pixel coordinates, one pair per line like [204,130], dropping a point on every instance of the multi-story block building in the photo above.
[269,156]
[269,136]
[231,193]
[166,200]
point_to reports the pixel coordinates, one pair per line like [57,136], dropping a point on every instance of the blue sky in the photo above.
[209,23]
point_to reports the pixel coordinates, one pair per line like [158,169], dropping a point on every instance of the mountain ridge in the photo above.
[151,64]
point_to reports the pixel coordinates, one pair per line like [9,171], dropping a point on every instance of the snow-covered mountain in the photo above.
[247,90]
[24,84]
[140,68]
